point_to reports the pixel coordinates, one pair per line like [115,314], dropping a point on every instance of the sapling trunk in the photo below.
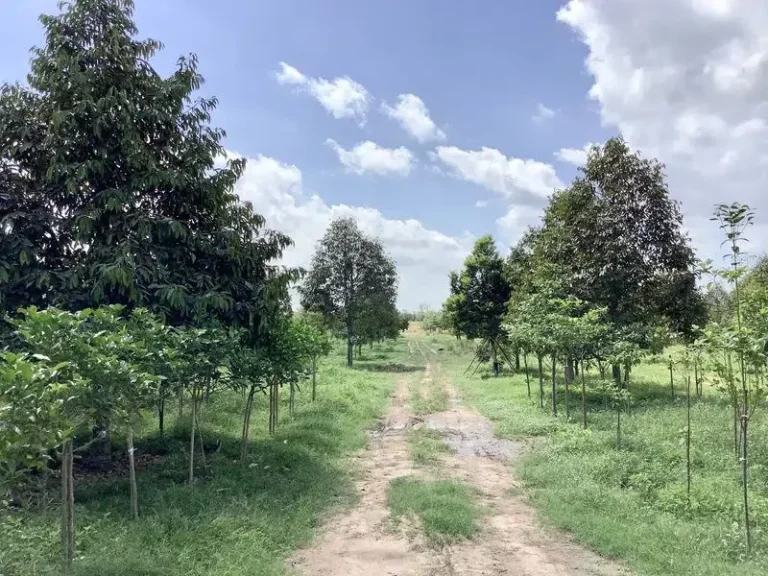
[583,395]
[554,384]
[314,375]
[527,375]
[67,505]
[161,412]
[688,437]
[601,368]
[132,475]
[567,399]
[672,380]
[291,398]
[200,436]
[517,359]
[541,381]
[181,403]
[618,425]
[744,468]
[192,438]
[246,424]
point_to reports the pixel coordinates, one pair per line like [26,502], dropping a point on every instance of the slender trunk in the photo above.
[314,375]
[688,437]
[616,369]
[583,395]
[601,367]
[527,375]
[67,505]
[181,404]
[696,376]
[517,359]
[554,384]
[576,368]
[161,412]
[618,425]
[567,399]
[291,398]
[541,382]
[200,436]
[246,424]
[350,344]
[192,438]
[132,475]
[568,370]
[271,407]
[672,380]
[744,467]
[495,359]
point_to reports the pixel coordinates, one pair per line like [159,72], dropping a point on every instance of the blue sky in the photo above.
[482,71]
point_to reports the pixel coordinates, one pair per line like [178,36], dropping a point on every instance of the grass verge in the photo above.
[237,519]
[446,509]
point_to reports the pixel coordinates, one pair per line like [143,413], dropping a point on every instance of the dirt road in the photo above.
[510,542]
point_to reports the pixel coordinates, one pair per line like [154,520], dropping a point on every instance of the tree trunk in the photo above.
[132,475]
[527,375]
[576,368]
[618,425]
[616,370]
[314,374]
[688,438]
[246,424]
[495,359]
[554,385]
[583,395]
[200,436]
[161,412]
[291,398]
[568,397]
[569,371]
[192,438]
[67,505]
[601,368]
[517,359]
[350,345]
[181,404]
[541,381]
[672,380]
[744,468]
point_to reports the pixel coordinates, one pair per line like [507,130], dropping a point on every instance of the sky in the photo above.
[434,122]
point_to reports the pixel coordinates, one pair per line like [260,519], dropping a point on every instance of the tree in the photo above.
[126,194]
[615,238]
[348,269]
[479,296]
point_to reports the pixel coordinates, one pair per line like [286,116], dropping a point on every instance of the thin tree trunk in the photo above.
[672,381]
[601,367]
[291,398]
[696,376]
[350,345]
[554,385]
[495,359]
[192,438]
[616,369]
[246,424]
[517,359]
[67,505]
[688,437]
[541,381]
[181,403]
[583,395]
[314,375]
[744,469]
[618,425]
[132,475]
[527,375]
[200,436]
[161,411]
[567,399]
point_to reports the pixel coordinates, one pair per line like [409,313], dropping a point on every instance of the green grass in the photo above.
[631,504]
[425,446]
[446,509]
[237,519]
[427,394]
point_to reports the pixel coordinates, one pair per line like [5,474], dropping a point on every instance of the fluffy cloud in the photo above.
[517,220]
[514,178]
[369,157]
[413,115]
[423,256]
[575,156]
[342,97]
[685,81]
[542,113]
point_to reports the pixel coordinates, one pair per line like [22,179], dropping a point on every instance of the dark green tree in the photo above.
[479,296]
[126,196]
[351,277]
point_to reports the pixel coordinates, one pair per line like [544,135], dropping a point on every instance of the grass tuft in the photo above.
[426,445]
[446,508]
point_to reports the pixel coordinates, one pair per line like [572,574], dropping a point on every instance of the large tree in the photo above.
[115,187]
[351,276]
[614,239]
[479,295]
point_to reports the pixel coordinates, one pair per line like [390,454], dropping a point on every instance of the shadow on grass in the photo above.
[387,367]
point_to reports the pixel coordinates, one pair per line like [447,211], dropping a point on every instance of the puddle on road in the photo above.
[471,436]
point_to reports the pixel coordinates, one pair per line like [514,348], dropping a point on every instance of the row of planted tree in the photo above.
[607,281]
[132,276]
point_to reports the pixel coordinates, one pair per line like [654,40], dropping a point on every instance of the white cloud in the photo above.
[517,220]
[510,177]
[424,257]
[543,113]
[342,96]
[685,81]
[575,156]
[413,115]
[369,157]
[481,203]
